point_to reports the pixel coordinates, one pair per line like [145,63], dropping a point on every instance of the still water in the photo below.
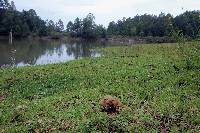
[38,52]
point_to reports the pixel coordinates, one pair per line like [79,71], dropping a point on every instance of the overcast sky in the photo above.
[105,11]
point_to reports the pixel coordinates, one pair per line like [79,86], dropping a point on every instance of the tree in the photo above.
[88,26]
[189,23]
[50,25]
[77,27]
[31,18]
[29,23]
[59,25]
[21,23]
[161,25]
[100,31]
[70,26]
[4,4]
[12,6]
[112,28]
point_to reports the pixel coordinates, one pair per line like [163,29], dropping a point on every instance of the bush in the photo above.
[56,35]
[165,39]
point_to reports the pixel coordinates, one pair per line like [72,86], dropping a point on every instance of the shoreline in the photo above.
[110,39]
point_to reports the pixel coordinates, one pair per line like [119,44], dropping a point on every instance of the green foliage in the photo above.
[23,23]
[190,54]
[50,26]
[86,28]
[188,23]
[144,25]
[157,92]
[162,25]
[27,23]
[59,26]
[100,31]
[56,35]
[4,4]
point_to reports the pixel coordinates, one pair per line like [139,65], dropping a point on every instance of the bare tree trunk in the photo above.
[10,37]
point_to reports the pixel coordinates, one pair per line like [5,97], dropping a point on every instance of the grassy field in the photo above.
[158,85]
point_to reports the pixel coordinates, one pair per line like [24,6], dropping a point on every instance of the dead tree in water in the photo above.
[10,37]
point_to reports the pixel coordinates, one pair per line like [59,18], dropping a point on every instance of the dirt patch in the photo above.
[110,105]
[2,98]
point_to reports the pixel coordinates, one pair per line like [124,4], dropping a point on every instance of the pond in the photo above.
[39,52]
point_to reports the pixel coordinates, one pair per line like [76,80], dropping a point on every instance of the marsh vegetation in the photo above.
[160,93]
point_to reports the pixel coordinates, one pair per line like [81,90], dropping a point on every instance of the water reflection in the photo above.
[35,52]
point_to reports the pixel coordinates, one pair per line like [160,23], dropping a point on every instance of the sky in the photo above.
[105,11]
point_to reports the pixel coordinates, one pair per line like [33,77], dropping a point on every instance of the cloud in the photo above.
[104,10]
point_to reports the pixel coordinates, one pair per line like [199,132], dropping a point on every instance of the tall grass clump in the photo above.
[189,51]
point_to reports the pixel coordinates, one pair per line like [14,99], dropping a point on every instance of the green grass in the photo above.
[158,92]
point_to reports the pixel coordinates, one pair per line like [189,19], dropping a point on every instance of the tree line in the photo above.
[26,23]
[158,26]
[163,25]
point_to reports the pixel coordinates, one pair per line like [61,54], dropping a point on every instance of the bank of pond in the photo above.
[157,85]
